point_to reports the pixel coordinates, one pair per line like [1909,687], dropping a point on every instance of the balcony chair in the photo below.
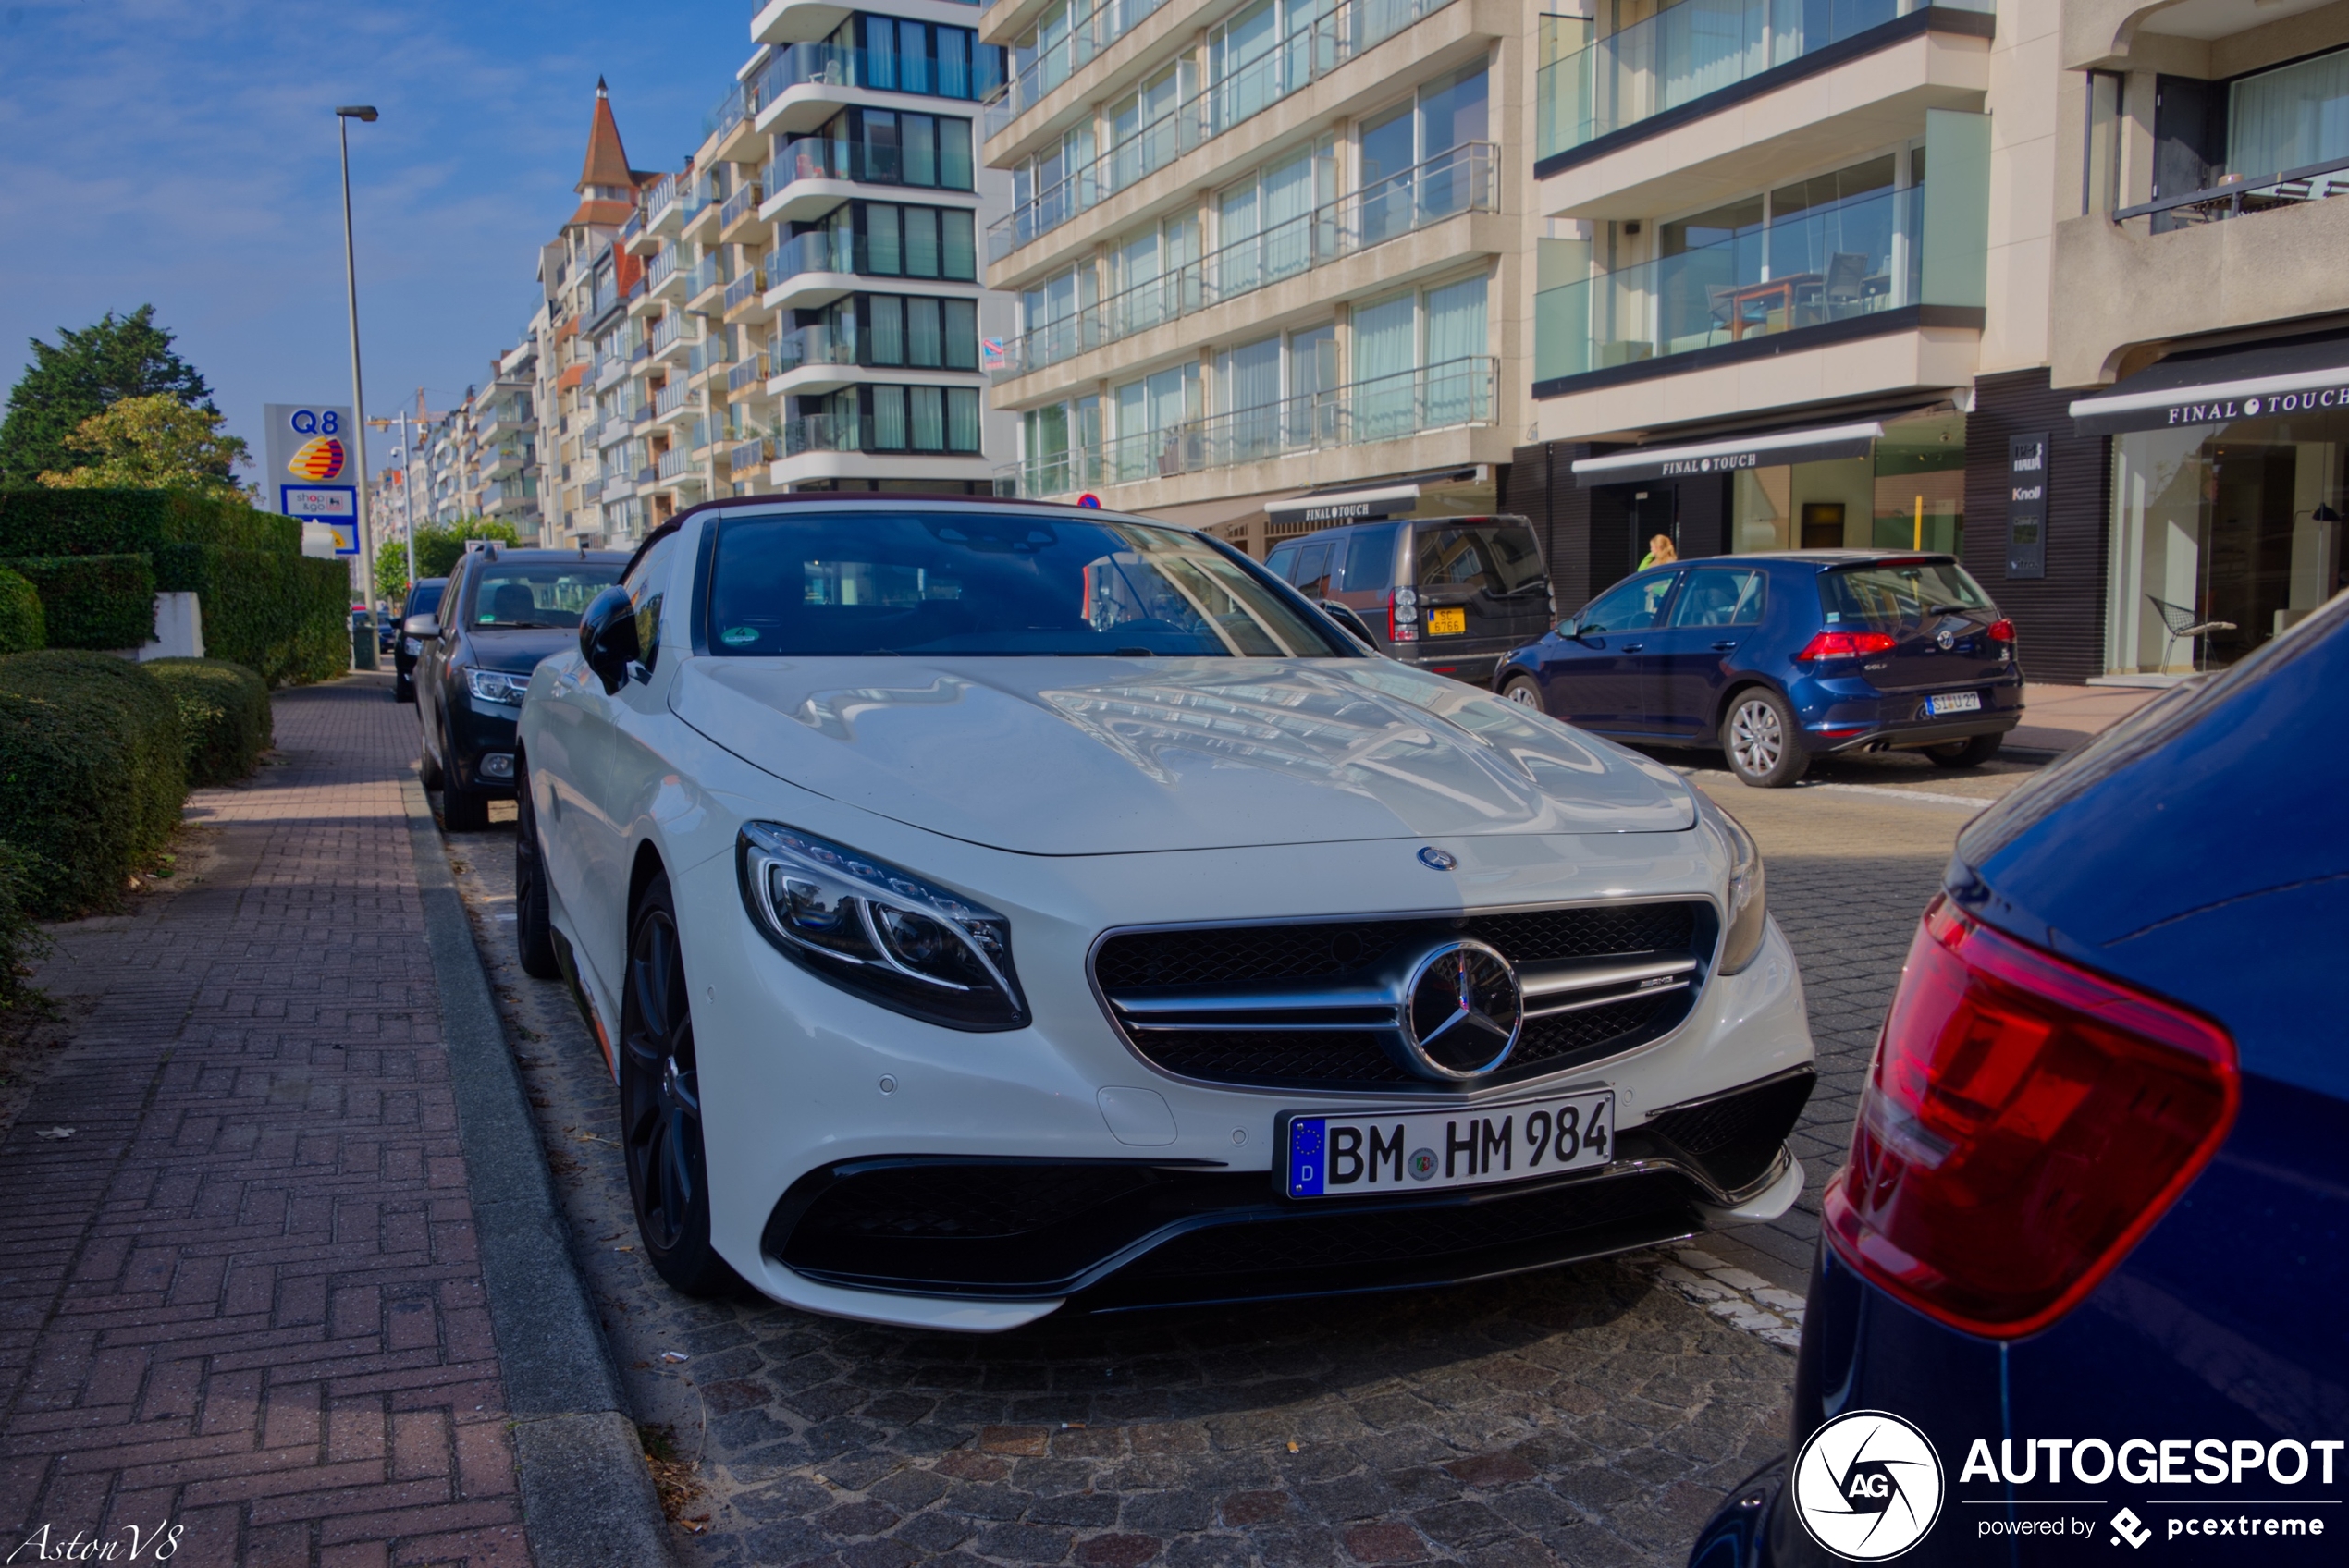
[2180,622]
[1846,284]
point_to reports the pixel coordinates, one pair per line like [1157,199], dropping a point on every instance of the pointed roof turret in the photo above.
[607,164]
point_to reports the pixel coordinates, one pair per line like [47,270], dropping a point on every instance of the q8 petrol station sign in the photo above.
[313,467]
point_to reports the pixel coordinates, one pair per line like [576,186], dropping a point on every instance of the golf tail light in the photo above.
[2023,1124]
[878,931]
[1846,644]
[2000,631]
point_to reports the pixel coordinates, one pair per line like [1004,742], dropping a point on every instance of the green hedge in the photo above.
[20,939]
[224,717]
[285,618]
[93,601]
[92,775]
[22,626]
[41,522]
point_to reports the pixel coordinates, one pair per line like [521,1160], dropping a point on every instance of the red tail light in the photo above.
[2002,631]
[1397,631]
[1846,644]
[2024,1122]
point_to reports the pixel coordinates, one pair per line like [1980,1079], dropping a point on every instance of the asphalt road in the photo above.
[1591,1416]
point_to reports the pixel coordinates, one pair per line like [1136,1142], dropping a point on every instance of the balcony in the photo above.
[708,275]
[1587,89]
[670,400]
[739,209]
[1388,408]
[674,463]
[619,427]
[747,295]
[1461,180]
[707,356]
[1309,52]
[667,333]
[660,205]
[1889,261]
[752,371]
[661,271]
[609,371]
[1054,63]
[617,486]
[506,460]
[755,452]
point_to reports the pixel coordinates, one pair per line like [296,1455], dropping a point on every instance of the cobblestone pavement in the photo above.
[238,1288]
[1589,1416]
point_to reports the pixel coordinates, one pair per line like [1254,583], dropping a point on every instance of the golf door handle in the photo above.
[1630,647]
[1723,647]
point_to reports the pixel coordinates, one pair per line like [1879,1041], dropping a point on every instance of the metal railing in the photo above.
[753,453]
[668,399]
[739,205]
[658,198]
[1585,86]
[675,462]
[1054,62]
[862,433]
[658,270]
[728,112]
[1311,50]
[750,373]
[1387,408]
[667,331]
[752,284]
[2236,195]
[1445,186]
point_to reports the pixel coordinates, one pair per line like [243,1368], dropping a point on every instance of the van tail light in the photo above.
[2023,1124]
[1403,617]
[1846,644]
[2000,631]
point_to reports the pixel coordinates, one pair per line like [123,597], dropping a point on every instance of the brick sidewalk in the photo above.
[242,1298]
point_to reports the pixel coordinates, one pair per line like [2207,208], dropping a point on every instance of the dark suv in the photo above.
[1449,595]
[422,600]
[503,611]
[1777,658]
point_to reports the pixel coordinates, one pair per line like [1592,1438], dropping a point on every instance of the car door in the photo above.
[431,666]
[1718,609]
[1599,676]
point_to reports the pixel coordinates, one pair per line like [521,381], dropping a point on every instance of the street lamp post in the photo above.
[343,117]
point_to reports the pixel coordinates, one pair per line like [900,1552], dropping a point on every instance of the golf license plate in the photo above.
[1356,1153]
[1446,623]
[1954,702]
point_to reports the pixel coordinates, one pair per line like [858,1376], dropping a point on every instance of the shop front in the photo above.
[2227,496]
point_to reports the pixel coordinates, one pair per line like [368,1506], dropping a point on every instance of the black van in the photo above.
[1451,595]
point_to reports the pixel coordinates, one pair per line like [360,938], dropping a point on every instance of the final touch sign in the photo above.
[2267,397]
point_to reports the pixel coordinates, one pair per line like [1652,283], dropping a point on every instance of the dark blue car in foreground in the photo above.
[1776,658]
[2080,1293]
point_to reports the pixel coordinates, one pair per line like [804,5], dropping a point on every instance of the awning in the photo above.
[1818,444]
[2213,387]
[1344,506]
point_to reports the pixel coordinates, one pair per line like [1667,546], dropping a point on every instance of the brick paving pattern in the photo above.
[1590,1416]
[241,1298]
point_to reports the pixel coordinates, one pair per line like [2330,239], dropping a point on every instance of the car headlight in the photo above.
[1748,910]
[412,646]
[878,931]
[497,686]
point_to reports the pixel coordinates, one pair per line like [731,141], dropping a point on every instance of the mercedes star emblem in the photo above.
[1462,1008]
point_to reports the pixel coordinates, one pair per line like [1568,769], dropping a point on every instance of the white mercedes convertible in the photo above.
[989,908]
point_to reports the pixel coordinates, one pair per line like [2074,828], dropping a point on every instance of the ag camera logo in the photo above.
[1867,1486]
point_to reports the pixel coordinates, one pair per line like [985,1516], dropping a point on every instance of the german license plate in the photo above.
[1341,1154]
[1954,702]
[1446,623]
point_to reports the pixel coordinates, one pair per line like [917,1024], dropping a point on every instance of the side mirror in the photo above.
[607,637]
[1353,624]
[1569,628]
[421,626]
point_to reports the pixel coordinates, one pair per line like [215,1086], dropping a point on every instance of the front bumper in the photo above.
[477,732]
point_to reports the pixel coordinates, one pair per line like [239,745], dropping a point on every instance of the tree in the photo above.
[439,546]
[87,373]
[153,443]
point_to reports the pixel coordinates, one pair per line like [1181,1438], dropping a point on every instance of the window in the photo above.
[1499,558]
[1626,607]
[1263,224]
[1370,560]
[2290,117]
[1312,569]
[908,57]
[915,419]
[1153,415]
[1722,596]
[1892,598]
[1421,360]
[2101,167]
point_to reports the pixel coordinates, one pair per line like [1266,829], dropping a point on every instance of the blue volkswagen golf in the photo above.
[1776,659]
[2080,1280]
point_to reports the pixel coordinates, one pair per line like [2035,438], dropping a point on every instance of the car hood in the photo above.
[1102,755]
[520,652]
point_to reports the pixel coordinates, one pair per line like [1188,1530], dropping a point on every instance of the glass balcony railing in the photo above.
[1316,46]
[661,268]
[728,112]
[703,356]
[1585,86]
[816,344]
[756,451]
[707,274]
[949,435]
[1829,264]
[751,372]
[1459,181]
[667,331]
[1387,408]
[749,286]
[668,399]
[820,250]
[1055,59]
[825,63]
[674,463]
[658,199]
[739,205]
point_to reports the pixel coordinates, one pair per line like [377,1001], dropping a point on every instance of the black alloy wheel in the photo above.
[660,1104]
[533,926]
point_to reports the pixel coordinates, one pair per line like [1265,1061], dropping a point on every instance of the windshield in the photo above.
[994,583]
[423,598]
[520,596]
[1886,598]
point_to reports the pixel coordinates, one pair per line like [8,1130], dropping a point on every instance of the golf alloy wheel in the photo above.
[1764,747]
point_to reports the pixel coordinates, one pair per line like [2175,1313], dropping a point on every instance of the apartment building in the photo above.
[1268,256]
[506,441]
[1892,273]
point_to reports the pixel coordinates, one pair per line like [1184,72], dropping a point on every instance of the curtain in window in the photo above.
[1132,457]
[2282,119]
[1313,384]
[913,57]
[930,418]
[888,418]
[954,155]
[962,419]
[953,63]
[1136,268]
[1250,393]
[1287,214]
[924,338]
[1701,46]
[921,242]
[918,149]
[883,254]
[880,52]
[958,248]
[1384,338]
[1456,389]
[960,330]
[887,334]
[1238,215]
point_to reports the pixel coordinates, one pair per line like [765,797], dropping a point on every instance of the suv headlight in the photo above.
[497,686]
[878,931]
[1747,910]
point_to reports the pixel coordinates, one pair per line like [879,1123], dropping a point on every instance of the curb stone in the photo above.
[587,1496]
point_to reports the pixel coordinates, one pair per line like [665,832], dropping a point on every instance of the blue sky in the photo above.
[184,155]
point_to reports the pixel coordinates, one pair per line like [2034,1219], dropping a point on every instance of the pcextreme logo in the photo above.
[1867,1486]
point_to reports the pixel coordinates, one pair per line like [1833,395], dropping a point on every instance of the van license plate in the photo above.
[1954,702]
[1446,623]
[1357,1154]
